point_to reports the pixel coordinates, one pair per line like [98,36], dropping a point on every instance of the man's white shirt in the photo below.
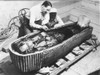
[35,14]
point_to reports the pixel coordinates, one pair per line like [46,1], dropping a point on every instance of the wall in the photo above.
[92,4]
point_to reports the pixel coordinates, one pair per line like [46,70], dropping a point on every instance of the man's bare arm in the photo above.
[60,22]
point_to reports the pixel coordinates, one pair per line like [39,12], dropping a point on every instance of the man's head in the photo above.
[83,21]
[46,6]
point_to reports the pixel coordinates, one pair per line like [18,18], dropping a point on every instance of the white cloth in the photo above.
[83,21]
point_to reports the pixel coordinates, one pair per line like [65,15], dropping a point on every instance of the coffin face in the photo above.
[37,60]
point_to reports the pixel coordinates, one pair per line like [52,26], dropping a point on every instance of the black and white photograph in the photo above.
[49,37]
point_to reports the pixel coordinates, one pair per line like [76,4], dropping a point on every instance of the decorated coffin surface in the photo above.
[39,58]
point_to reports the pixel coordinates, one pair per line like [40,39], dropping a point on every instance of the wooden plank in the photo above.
[67,65]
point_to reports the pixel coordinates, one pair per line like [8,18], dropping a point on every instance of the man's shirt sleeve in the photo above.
[32,18]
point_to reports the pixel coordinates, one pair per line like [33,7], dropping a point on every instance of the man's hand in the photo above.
[45,28]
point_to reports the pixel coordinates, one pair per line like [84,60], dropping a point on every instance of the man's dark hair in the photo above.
[47,3]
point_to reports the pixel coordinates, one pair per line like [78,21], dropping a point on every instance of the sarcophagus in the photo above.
[37,60]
